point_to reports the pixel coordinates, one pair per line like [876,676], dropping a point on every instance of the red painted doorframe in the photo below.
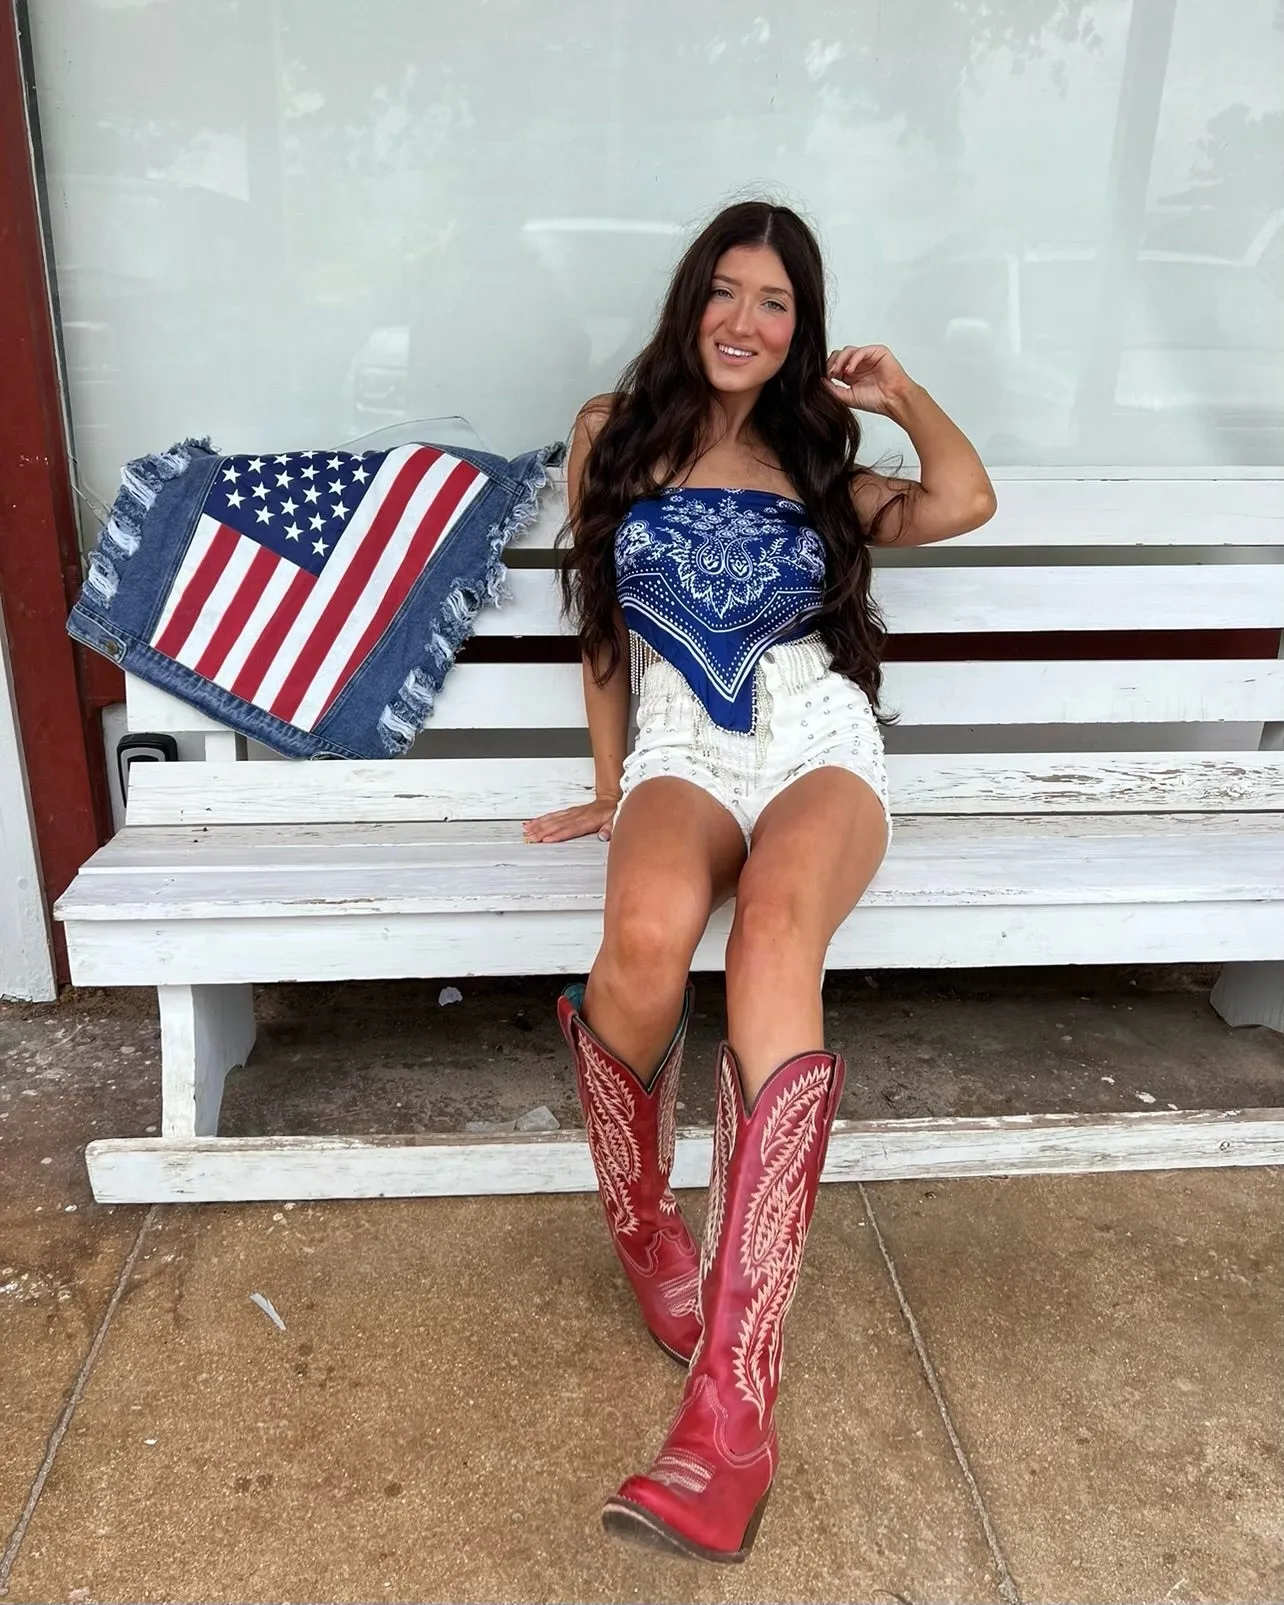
[59,691]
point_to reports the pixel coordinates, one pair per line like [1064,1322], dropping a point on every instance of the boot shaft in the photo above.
[766,1172]
[631,1125]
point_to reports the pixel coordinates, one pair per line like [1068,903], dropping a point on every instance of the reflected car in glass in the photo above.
[1004,340]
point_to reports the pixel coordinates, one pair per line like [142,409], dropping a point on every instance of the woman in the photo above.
[721,565]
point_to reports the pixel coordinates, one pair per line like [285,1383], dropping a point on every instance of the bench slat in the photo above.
[519,788]
[488,847]
[1086,512]
[951,601]
[340,946]
[938,863]
[447,1165]
[549,696]
[170,844]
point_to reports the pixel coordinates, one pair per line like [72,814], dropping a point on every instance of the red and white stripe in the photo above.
[286,640]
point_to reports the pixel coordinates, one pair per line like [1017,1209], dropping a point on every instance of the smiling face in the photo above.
[748,320]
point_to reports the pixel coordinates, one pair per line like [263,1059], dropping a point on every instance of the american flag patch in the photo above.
[299,563]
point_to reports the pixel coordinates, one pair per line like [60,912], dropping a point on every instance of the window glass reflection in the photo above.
[283,223]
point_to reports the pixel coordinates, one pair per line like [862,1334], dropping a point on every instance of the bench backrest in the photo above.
[1034,663]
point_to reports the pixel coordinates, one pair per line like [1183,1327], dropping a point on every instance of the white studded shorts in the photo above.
[808,717]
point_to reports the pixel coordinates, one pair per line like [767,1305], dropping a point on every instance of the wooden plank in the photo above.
[205,1031]
[296,793]
[225,746]
[1219,473]
[1078,782]
[237,1169]
[518,788]
[943,863]
[1090,507]
[955,601]
[1087,513]
[147,707]
[216,847]
[549,696]
[340,946]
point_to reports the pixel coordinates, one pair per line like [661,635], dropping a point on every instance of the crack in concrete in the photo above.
[10,1556]
[1009,1593]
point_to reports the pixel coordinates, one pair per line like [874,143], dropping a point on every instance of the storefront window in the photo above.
[290,222]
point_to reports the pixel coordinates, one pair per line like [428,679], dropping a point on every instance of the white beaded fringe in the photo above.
[798,663]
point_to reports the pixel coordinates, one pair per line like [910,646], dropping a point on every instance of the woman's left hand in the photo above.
[868,377]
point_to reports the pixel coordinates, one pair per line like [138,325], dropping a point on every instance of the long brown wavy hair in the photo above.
[661,416]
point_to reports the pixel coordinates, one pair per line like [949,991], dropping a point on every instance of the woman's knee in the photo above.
[770,924]
[649,938]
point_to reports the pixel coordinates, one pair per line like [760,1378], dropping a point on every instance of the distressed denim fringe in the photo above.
[140,482]
[408,712]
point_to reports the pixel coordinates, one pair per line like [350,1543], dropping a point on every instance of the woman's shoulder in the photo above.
[595,411]
[588,425]
[588,422]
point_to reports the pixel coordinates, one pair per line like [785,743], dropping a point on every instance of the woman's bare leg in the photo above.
[674,857]
[815,849]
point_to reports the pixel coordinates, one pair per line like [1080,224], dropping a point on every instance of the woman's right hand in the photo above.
[586,819]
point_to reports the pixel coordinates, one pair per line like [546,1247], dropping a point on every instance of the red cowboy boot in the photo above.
[706,1492]
[631,1128]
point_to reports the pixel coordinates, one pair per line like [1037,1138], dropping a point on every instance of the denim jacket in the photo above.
[317,646]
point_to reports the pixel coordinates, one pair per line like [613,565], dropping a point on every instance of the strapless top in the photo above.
[709,578]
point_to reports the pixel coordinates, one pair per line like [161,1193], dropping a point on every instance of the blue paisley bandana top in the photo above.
[709,578]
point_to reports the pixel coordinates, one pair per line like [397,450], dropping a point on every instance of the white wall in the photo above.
[285,222]
[26,959]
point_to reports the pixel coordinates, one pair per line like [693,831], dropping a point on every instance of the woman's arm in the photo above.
[952,494]
[607,705]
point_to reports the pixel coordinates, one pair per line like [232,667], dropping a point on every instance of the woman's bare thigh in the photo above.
[676,849]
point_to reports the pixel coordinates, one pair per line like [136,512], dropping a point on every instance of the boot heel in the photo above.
[751,1531]
[642,1528]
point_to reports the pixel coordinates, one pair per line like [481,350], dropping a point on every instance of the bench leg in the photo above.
[205,1030]
[1251,994]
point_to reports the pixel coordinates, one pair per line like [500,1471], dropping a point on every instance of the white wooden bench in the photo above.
[229,873]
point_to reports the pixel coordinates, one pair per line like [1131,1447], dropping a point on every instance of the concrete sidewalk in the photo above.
[1065,1388]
